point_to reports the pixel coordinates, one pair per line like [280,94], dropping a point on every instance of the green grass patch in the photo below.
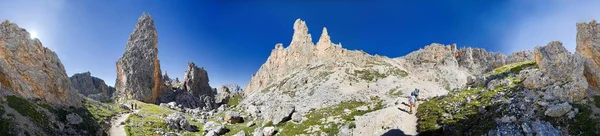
[148,120]
[235,99]
[28,109]
[440,111]
[102,112]
[515,68]
[316,117]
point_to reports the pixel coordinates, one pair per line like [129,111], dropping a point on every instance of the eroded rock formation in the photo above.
[138,70]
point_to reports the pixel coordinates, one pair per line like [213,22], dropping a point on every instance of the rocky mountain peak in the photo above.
[301,40]
[91,86]
[32,71]
[138,70]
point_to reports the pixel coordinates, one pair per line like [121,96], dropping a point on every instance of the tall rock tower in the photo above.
[138,70]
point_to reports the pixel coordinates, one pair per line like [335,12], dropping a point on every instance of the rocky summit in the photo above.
[32,71]
[138,70]
[588,45]
[92,87]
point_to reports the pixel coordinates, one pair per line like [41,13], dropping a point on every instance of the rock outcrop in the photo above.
[588,45]
[138,70]
[92,87]
[561,70]
[233,88]
[195,92]
[32,71]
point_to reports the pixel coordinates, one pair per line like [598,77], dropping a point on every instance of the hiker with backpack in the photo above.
[412,99]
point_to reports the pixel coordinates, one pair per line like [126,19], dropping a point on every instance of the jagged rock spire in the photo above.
[301,40]
[138,70]
[325,41]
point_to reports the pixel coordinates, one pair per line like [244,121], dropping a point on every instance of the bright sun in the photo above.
[33,34]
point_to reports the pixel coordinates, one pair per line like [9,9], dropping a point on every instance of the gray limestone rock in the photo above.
[138,70]
[74,119]
[558,110]
[178,122]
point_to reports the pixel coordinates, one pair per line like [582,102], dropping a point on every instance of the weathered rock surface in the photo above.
[561,67]
[32,71]
[558,110]
[138,70]
[178,122]
[241,133]
[195,92]
[588,45]
[92,87]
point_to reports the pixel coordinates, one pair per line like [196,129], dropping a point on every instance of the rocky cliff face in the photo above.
[31,71]
[138,70]
[588,45]
[92,87]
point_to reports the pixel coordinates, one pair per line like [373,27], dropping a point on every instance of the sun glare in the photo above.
[33,34]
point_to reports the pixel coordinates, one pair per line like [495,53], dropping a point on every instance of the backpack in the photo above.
[415,93]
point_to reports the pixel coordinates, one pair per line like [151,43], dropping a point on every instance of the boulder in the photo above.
[558,110]
[560,66]
[32,71]
[269,131]
[588,45]
[215,127]
[178,122]
[297,117]
[74,119]
[138,70]
[280,113]
[233,117]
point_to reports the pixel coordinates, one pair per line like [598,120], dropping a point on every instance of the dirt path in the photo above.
[116,128]
[393,120]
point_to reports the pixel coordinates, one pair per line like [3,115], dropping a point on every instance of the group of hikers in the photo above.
[412,99]
[133,106]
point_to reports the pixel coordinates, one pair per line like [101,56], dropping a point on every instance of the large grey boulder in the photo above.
[178,122]
[241,133]
[279,113]
[558,110]
[138,70]
[31,71]
[92,87]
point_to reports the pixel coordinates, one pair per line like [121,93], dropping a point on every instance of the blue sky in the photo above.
[232,38]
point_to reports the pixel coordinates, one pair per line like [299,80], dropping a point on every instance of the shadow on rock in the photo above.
[394,132]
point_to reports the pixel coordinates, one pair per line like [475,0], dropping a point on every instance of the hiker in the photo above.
[135,104]
[132,108]
[412,99]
